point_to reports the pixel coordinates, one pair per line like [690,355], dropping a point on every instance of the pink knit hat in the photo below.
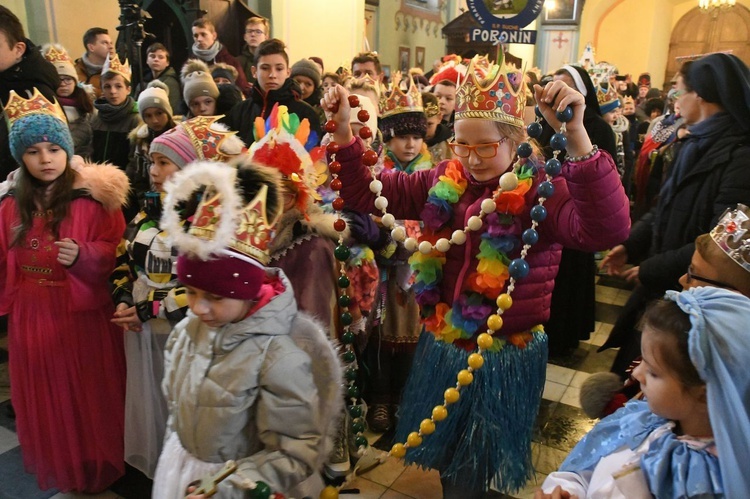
[175,145]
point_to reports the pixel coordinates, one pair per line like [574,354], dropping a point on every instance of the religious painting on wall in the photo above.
[419,57]
[404,59]
[563,12]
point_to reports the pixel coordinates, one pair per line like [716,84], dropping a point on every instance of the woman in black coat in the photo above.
[710,173]
[573,299]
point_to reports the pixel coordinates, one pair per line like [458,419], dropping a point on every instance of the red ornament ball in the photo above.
[369,158]
[354,102]
[332,148]
[336,184]
[365,132]
[338,204]
[334,167]
[331,126]
[339,225]
[363,115]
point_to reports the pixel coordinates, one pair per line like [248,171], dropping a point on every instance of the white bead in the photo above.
[443,245]
[458,237]
[376,186]
[388,220]
[411,244]
[488,206]
[235,274]
[425,247]
[398,234]
[381,203]
[475,223]
[508,181]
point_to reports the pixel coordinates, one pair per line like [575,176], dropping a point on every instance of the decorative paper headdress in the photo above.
[397,101]
[491,92]
[431,110]
[607,98]
[113,65]
[36,120]
[365,82]
[732,234]
[628,100]
[450,70]
[225,249]
[279,144]
[197,139]
[59,57]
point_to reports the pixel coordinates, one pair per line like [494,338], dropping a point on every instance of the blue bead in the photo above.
[545,189]
[565,115]
[558,142]
[530,236]
[538,112]
[553,167]
[518,268]
[524,150]
[534,130]
[538,213]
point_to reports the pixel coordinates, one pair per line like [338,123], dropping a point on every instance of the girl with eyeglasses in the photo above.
[75,100]
[487,431]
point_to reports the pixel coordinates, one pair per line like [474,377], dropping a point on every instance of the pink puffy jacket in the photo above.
[589,211]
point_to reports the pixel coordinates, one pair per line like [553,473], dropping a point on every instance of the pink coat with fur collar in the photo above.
[589,211]
[95,222]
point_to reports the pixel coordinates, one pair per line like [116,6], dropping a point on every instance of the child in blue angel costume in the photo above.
[690,438]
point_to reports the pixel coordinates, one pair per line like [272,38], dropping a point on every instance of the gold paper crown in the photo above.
[732,234]
[113,65]
[56,54]
[491,92]
[398,102]
[607,98]
[254,230]
[431,110]
[207,139]
[628,100]
[18,107]
[365,82]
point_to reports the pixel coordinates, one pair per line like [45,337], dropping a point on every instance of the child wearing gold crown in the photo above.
[480,245]
[248,377]
[148,298]
[61,226]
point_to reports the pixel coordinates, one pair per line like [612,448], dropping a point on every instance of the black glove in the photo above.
[365,231]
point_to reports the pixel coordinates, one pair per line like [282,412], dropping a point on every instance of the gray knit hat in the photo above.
[306,67]
[197,81]
[155,95]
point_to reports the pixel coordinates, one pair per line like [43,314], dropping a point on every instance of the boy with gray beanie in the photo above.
[199,89]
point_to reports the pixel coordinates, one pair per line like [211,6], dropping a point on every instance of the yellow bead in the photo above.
[427,427]
[439,413]
[484,341]
[329,493]
[414,440]
[451,395]
[476,361]
[398,450]
[494,322]
[504,301]
[465,377]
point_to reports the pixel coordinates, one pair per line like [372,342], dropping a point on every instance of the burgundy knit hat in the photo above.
[225,249]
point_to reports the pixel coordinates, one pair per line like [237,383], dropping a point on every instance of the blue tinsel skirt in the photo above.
[486,437]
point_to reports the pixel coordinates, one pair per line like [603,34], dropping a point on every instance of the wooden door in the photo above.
[698,32]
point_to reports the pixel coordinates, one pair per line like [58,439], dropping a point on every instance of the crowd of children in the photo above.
[171,304]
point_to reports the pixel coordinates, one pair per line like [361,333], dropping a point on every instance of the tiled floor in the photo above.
[560,424]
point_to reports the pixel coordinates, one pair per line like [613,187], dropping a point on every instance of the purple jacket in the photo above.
[589,211]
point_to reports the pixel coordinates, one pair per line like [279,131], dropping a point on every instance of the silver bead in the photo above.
[235,275]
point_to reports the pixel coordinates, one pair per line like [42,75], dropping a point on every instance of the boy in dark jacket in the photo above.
[274,87]
[157,60]
[22,68]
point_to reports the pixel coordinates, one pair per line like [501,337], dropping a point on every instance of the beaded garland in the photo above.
[342,254]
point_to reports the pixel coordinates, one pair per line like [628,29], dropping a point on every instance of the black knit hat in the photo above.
[403,124]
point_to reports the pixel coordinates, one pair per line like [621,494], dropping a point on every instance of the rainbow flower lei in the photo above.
[468,314]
